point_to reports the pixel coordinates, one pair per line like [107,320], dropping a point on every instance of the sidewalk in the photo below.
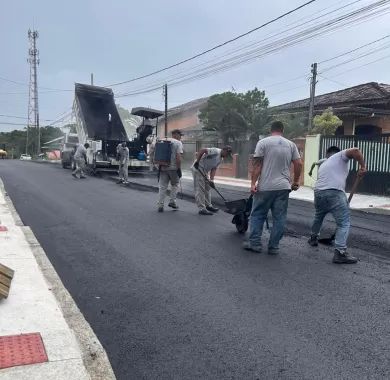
[39,303]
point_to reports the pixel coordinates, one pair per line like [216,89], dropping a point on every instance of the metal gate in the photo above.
[376,152]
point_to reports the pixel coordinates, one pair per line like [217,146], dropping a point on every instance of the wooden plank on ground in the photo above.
[6,271]
[5,280]
[4,290]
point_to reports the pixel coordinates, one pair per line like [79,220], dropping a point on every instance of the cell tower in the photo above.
[33,109]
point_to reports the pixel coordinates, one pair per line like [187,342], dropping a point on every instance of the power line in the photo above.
[10,123]
[20,117]
[353,50]
[332,80]
[308,33]
[363,65]
[215,47]
[27,85]
[297,23]
[355,58]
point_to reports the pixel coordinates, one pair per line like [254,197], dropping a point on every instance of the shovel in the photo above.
[329,241]
[213,187]
[227,204]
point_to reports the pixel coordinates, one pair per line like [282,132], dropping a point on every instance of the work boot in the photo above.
[119,181]
[343,257]
[173,205]
[160,209]
[203,211]
[273,251]
[74,175]
[83,177]
[248,247]
[212,209]
[313,241]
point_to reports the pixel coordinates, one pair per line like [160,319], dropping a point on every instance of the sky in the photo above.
[123,39]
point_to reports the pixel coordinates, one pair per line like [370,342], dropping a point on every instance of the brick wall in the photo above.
[229,170]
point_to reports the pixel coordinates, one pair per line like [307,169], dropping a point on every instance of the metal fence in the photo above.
[376,152]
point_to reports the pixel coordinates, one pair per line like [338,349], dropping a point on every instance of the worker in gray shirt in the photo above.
[271,185]
[123,158]
[203,172]
[330,197]
[80,158]
[171,173]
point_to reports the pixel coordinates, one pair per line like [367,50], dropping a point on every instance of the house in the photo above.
[186,118]
[364,109]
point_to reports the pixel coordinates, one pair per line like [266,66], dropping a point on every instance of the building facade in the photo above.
[363,109]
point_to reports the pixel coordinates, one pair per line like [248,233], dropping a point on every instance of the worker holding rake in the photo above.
[330,197]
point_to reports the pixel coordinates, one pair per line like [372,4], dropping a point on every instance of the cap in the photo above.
[177,132]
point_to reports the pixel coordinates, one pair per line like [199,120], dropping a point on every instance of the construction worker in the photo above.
[203,172]
[330,197]
[171,173]
[123,158]
[271,185]
[80,159]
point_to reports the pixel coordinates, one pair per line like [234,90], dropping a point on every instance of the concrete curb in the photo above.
[93,354]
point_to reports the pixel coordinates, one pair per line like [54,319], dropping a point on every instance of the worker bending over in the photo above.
[203,172]
[330,197]
[80,159]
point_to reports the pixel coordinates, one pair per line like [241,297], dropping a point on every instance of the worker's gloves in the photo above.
[196,165]
[212,185]
[310,174]
[295,186]
[179,173]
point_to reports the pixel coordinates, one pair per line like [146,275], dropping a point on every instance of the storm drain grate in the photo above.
[16,350]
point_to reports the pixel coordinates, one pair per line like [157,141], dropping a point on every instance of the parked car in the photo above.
[24,157]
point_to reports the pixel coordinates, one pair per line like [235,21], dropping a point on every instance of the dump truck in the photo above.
[98,123]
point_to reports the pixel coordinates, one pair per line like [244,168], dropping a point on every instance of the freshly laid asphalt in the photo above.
[173,295]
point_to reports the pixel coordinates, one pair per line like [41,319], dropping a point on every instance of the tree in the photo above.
[327,123]
[256,110]
[15,141]
[234,115]
[226,114]
[295,125]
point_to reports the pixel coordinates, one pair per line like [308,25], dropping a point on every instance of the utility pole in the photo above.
[166,109]
[313,82]
[33,107]
[91,79]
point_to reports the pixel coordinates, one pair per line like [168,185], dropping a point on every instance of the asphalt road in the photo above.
[173,295]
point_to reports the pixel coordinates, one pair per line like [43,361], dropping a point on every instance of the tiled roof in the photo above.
[363,94]
[193,104]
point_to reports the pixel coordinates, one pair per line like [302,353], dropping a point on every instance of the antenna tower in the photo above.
[33,108]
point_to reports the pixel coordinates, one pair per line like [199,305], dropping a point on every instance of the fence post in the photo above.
[312,154]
